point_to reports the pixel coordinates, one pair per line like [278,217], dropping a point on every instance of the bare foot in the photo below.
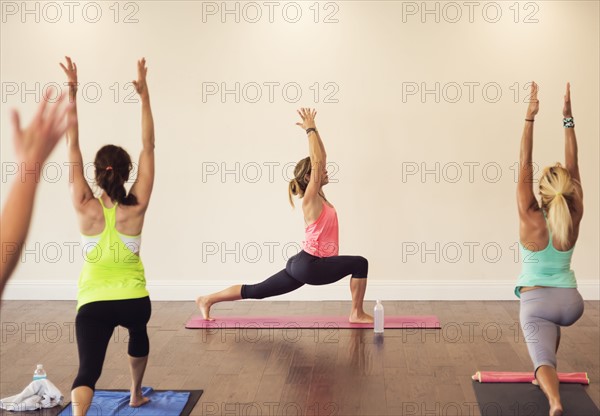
[204,307]
[360,318]
[535,382]
[556,410]
[137,400]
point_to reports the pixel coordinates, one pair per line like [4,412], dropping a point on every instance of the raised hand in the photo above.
[534,103]
[34,143]
[308,118]
[140,84]
[71,72]
[567,112]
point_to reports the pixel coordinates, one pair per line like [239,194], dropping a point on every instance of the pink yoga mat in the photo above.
[513,377]
[390,322]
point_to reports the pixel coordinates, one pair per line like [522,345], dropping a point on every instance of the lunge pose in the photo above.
[318,263]
[548,233]
[112,285]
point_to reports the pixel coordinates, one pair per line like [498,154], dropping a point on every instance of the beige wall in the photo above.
[380,133]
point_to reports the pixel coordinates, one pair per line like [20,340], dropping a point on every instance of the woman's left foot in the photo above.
[137,400]
[361,318]
[204,306]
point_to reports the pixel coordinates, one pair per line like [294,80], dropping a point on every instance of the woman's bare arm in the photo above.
[525,197]
[81,192]
[32,147]
[144,183]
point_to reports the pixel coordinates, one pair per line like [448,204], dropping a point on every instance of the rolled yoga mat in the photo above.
[526,399]
[514,377]
[162,403]
[310,322]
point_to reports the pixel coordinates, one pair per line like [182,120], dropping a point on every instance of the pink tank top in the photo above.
[321,238]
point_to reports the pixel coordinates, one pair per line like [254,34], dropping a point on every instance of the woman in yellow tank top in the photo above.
[548,233]
[112,286]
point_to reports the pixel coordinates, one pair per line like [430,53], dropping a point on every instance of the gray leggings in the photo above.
[543,312]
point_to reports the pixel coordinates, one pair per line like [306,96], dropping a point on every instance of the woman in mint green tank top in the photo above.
[112,285]
[548,232]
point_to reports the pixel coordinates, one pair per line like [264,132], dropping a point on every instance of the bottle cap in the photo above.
[40,366]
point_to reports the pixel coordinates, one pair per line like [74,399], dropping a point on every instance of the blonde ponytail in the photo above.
[557,191]
[559,219]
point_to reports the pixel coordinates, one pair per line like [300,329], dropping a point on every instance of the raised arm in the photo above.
[142,188]
[525,198]
[81,192]
[32,147]
[571,161]
[318,160]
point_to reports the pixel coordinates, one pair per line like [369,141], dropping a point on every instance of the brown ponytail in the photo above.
[113,165]
[298,185]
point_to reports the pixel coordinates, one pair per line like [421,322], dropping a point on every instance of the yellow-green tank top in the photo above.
[111,271]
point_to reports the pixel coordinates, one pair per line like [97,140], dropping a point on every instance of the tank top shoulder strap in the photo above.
[109,214]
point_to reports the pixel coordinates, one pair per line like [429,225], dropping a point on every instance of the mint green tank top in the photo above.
[547,267]
[111,271]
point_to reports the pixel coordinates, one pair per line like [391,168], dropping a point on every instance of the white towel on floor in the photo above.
[39,394]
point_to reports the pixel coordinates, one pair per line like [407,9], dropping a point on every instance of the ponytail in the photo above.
[293,190]
[559,219]
[113,165]
[558,191]
[297,186]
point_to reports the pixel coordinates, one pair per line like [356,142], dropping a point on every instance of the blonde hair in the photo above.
[298,185]
[557,192]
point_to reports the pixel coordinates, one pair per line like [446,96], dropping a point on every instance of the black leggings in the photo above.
[304,268]
[94,327]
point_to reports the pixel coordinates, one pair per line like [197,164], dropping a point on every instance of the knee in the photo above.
[363,266]
[87,378]
[574,314]
[549,364]
[250,292]
[139,343]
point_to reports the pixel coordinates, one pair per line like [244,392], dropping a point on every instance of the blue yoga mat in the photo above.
[116,403]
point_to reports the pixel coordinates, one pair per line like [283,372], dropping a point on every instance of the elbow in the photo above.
[148,145]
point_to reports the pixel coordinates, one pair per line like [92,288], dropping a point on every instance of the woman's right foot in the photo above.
[204,306]
[360,318]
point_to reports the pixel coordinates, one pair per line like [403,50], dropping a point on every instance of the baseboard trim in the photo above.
[183,290]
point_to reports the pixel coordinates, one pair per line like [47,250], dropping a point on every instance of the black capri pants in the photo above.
[94,326]
[304,268]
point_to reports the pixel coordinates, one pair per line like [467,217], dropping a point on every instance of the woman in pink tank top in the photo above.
[318,263]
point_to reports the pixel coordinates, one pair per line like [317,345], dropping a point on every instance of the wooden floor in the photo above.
[304,372]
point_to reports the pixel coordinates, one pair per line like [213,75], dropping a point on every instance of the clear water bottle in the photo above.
[378,312]
[39,373]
